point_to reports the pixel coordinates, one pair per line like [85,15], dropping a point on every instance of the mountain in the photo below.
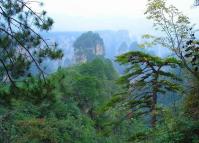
[113,44]
[88,46]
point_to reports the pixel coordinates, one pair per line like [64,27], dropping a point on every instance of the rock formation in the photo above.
[88,46]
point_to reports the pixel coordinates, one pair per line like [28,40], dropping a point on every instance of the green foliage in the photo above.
[192,52]
[22,47]
[191,100]
[63,122]
[89,84]
[83,103]
[147,77]
[62,109]
[177,33]
[176,128]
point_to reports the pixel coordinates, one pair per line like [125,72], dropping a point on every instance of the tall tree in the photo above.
[192,56]
[175,28]
[179,36]
[147,77]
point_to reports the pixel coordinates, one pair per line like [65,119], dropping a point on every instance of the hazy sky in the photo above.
[83,15]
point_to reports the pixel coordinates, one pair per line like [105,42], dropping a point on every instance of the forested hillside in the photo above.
[152,99]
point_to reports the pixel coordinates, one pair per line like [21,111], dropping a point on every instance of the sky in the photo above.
[85,15]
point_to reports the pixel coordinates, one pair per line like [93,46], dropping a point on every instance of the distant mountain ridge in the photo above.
[112,43]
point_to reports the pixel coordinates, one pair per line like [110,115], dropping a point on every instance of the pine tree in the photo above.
[147,77]
[21,45]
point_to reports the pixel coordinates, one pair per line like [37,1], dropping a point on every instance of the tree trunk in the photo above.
[154,101]
[153,110]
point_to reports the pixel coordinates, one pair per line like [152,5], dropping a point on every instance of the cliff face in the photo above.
[99,50]
[83,57]
[88,46]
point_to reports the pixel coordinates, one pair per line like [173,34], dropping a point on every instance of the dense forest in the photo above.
[148,99]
